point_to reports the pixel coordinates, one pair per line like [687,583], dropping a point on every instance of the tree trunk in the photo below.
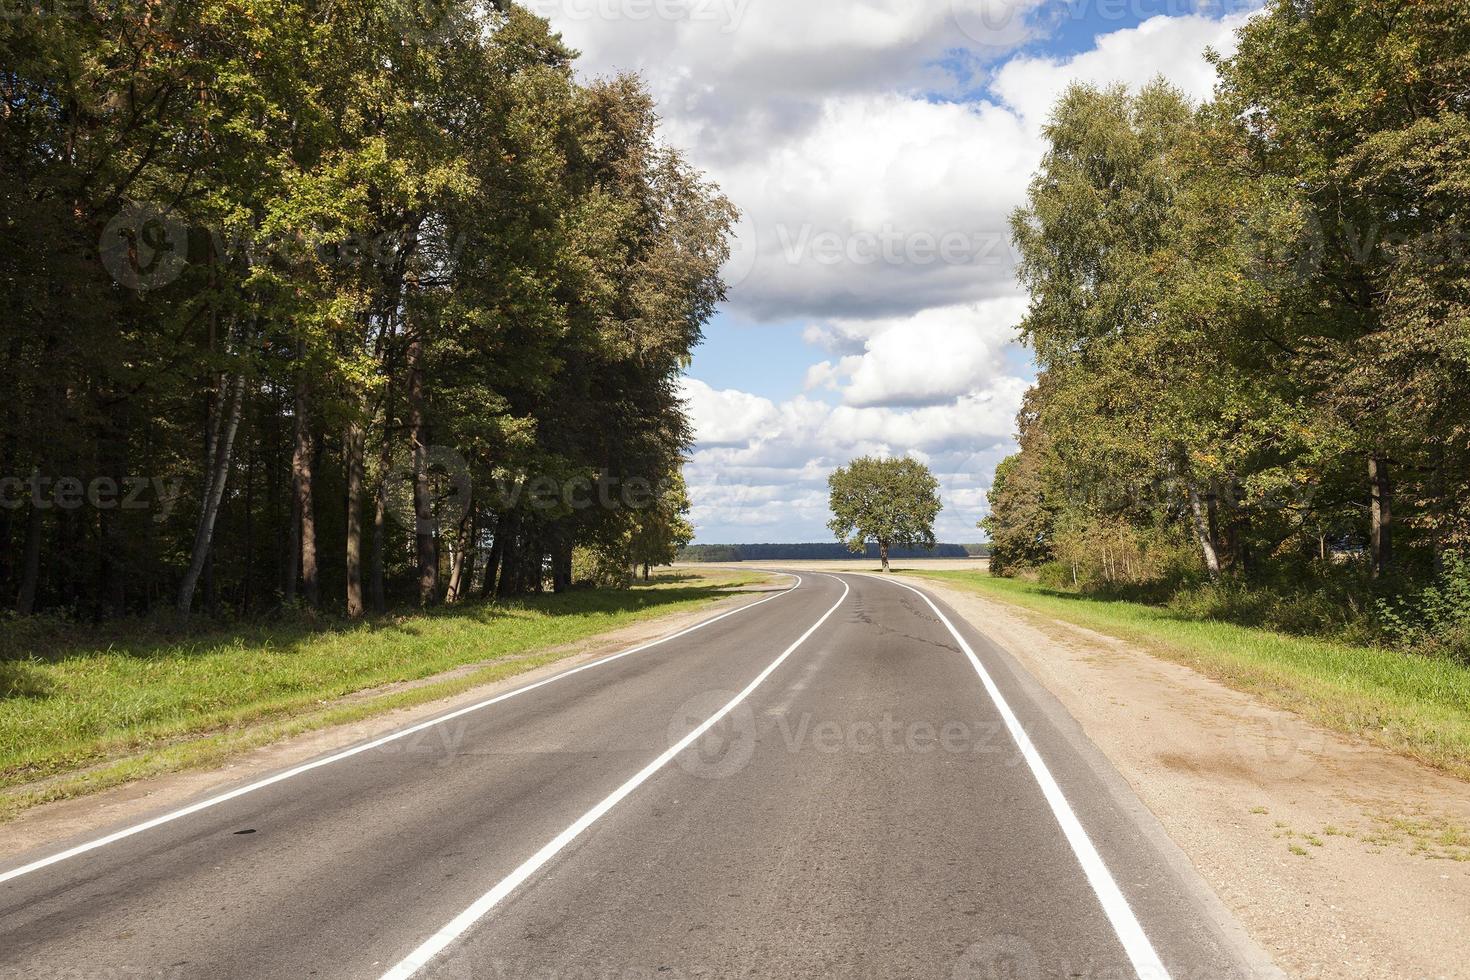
[492,563]
[423,511]
[352,449]
[303,466]
[30,563]
[248,598]
[291,561]
[1212,509]
[1381,532]
[380,518]
[1200,520]
[112,577]
[461,564]
[883,554]
[214,492]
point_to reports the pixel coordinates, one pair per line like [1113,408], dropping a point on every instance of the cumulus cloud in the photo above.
[930,358]
[1172,47]
[877,148]
[768,462]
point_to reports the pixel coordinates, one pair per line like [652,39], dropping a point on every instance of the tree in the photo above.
[1361,103]
[662,529]
[889,501]
[288,256]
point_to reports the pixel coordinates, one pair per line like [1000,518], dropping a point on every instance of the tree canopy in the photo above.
[334,302]
[1250,316]
[891,502]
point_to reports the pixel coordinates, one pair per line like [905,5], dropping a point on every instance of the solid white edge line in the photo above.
[436,943]
[1141,953]
[376,743]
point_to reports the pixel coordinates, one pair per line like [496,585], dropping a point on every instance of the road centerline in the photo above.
[441,940]
[300,770]
[1130,933]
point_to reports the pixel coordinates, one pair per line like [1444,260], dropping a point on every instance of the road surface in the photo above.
[844,780]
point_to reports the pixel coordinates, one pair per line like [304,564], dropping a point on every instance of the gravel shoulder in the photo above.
[1341,859]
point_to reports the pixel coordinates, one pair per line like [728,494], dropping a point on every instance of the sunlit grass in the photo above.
[1418,706]
[123,701]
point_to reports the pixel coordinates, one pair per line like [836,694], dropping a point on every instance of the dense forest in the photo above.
[1252,324]
[337,303]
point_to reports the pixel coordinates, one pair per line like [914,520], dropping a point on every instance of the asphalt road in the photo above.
[832,783]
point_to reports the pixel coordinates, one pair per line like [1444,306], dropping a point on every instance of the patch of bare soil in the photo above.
[1339,858]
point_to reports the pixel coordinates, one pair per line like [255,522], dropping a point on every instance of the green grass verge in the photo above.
[90,707]
[1417,706]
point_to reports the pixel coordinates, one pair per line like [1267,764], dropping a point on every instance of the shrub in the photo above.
[1436,618]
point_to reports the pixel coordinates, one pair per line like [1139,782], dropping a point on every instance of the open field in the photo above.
[80,710]
[862,565]
[1417,706]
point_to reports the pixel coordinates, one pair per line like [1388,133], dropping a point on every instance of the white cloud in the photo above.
[886,206]
[930,358]
[877,190]
[770,465]
[1173,47]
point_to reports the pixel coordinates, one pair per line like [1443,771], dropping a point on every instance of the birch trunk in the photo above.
[214,492]
[1201,522]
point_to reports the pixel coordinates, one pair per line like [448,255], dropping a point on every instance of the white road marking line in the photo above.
[358,750]
[437,943]
[1146,962]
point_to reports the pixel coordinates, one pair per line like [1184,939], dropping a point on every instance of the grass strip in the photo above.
[1416,706]
[85,710]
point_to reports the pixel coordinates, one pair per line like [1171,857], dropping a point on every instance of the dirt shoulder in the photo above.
[50,824]
[1339,858]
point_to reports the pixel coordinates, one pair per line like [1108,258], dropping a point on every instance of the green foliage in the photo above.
[1251,320]
[1020,522]
[1419,706]
[714,553]
[893,502]
[1436,617]
[297,247]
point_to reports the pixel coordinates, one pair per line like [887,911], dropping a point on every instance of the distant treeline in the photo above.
[822,551]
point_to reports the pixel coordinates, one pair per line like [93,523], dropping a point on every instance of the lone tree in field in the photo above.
[890,501]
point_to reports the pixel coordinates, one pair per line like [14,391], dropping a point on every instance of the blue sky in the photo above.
[875,148]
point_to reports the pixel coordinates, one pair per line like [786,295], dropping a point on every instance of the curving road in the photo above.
[844,780]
